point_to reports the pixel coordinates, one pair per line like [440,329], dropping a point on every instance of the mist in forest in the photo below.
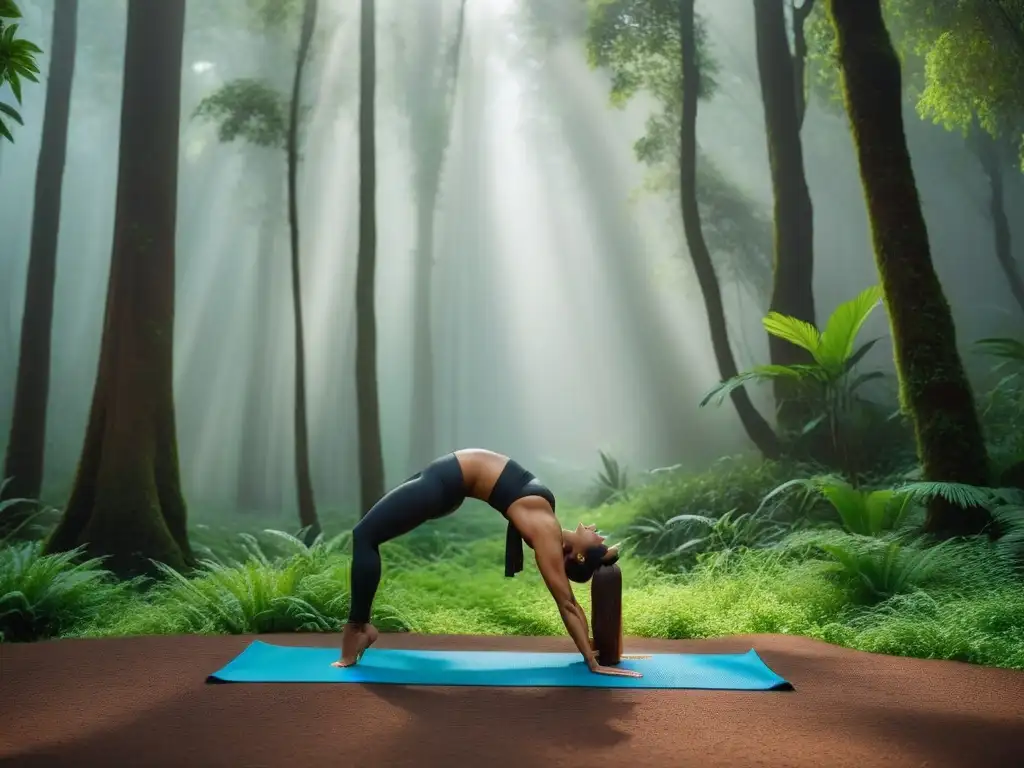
[565,316]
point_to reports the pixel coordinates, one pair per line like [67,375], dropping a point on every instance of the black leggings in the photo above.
[435,492]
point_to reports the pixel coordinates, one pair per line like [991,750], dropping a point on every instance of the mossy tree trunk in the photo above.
[371,458]
[757,429]
[24,460]
[933,385]
[308,518]
[126,501]
[793,275]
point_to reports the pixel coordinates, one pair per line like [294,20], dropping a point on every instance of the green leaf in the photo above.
[798,332]
[11,112]
[759,373]
[15,84]
[841,330]
[876,507]
[5,132]
[29,46]
[813,424]
[9,10]
[857,356]
[1006,348]
[960,494]
[849,503]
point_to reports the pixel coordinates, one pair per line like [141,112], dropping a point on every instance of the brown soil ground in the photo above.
[143,703]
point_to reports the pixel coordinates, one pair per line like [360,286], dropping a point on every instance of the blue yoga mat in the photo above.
[265,663]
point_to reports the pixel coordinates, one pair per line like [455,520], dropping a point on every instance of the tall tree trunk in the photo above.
[126,501]
[793,282]
[433,100]
[304,484]
[24,461]
[988,153]
[757,429]
[371,458]
[933,385]
[252,488]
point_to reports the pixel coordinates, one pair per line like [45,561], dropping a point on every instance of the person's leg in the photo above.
[433,493]
[401,510]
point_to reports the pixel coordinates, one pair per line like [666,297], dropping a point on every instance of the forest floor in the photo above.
[143,701]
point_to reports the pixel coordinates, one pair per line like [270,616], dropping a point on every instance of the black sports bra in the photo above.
[515,483]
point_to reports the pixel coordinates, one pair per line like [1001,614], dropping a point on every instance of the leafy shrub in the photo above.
[44,596]
[22,519]
[828,384]
[612,482]
[305,590]
[733,485]
[861,512]
[732,531]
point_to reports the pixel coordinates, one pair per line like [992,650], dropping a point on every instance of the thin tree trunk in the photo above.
[126,502]
[933,385]
[371,459]
[793,283]
[757,429]
[26,444]
[252,490]
[987,151]
[304,484]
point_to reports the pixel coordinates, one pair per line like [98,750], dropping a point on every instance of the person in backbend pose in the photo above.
[529,508]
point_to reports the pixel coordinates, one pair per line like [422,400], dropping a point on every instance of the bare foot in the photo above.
[355,639]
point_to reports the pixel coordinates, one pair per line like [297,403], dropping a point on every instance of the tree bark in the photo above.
[126,502]
[987,151]
[793,281]
[303,482]
[933,385]
[757,429]
[371,458]
[26,446]
[252,493]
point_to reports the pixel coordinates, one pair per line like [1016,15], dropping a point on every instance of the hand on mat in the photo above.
[614,671]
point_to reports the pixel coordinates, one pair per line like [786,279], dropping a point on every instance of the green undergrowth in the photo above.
[725,553]
[971,609]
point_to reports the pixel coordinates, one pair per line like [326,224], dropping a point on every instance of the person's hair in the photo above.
[606,613]
[579,570]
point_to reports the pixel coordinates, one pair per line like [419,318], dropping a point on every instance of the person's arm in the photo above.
[551,564]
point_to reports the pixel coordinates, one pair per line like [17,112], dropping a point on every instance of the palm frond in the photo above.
[798,332]
[844,324]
